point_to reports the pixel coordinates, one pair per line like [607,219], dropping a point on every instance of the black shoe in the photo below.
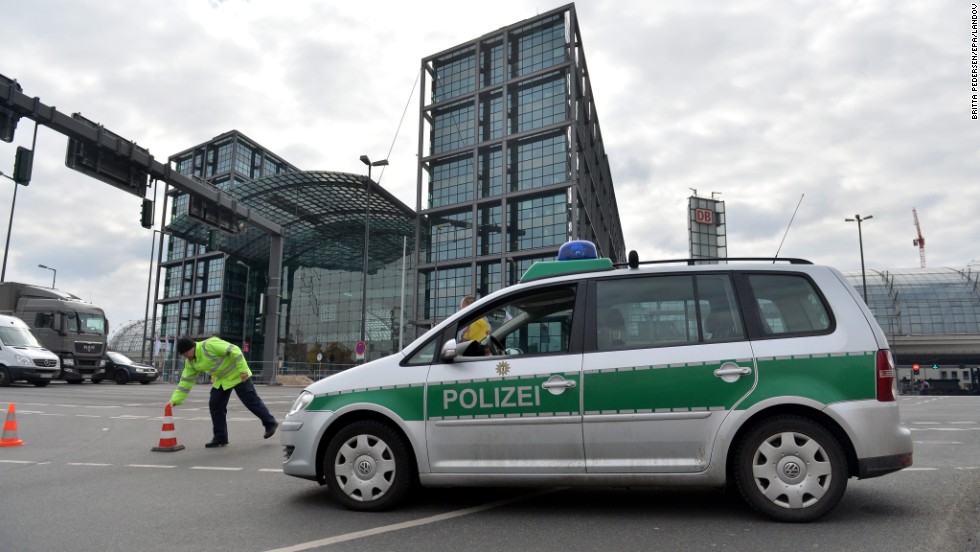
[215,443]
[270,430]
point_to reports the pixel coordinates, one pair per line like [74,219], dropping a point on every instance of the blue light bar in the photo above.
[577,250]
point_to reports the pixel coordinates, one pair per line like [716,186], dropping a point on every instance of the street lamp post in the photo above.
[864,280]
[248,274]
[53,276]
[367,234]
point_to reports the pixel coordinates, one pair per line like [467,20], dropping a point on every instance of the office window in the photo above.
[450,236]
[455,74]
[453,127]
[538,103]
[538,161]
[491,172]
[451,181]
[538,222]
[538,46]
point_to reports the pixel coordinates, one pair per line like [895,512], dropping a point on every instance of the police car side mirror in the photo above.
[448,353]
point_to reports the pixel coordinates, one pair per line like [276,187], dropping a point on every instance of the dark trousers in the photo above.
[249,397]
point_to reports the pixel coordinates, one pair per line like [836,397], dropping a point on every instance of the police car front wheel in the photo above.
[368,466]
[791,469]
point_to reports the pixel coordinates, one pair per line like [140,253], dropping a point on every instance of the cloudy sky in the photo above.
[857,106]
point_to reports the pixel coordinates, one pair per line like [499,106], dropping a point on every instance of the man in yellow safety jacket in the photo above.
[226,365]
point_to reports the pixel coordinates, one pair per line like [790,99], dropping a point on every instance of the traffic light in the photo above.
[23,165]
[935,365]
[915,367]
[146,215]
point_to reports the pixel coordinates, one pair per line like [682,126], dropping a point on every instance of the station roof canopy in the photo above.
[322,215]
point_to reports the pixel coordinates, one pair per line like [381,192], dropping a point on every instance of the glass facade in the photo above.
[211,284]
[512,161]
[923,301]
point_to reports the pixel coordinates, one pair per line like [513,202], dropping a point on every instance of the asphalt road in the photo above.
[86,479]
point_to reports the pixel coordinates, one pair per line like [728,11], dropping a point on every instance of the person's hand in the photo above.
[244,376]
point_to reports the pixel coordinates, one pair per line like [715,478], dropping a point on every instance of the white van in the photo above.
[21,355]
[770,377]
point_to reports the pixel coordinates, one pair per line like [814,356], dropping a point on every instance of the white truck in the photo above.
[73,329]
[21,355]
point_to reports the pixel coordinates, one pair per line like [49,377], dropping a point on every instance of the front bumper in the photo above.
[300,435]
[31,373]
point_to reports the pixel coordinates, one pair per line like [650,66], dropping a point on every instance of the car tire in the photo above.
[369,466]
[41,383]
[121,377]
[144,382]
[4,377]
[75,381]
[791,469]
[96,380]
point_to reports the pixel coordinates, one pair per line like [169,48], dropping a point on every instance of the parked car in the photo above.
[772,378]
[122,369]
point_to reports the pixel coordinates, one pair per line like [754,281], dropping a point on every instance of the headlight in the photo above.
[304,400]
[23,360]
[68,361]
[102,363]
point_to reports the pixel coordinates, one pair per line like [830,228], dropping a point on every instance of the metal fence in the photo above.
[271,373]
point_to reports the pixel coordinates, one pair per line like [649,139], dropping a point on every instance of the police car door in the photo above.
[658,381]
[517,410]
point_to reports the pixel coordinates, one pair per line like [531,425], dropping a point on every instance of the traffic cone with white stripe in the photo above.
[9,438]
[168,436]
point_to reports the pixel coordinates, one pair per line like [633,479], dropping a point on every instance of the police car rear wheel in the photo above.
[791,469]
[368,467]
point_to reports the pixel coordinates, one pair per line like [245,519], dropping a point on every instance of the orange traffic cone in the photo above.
[168,438]
[9,438]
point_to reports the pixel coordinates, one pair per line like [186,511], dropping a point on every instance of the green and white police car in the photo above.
[770,377]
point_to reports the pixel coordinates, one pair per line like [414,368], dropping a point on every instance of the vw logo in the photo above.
[364,467]
[792,470]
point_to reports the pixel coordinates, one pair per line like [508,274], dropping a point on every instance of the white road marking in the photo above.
[409,524]
[87,416]
[215,468]
[17,462]
[45,414]
[938,442]
[270,470]
[919,469]
[148,466]
[85,464]
[968,468]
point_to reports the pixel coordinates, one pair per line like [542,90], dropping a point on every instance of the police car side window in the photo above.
[789,305]
[425,354]
[645,312]
[531,324]
[665,311]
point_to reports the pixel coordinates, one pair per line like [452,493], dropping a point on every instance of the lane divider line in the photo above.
[414,523]
[215,468]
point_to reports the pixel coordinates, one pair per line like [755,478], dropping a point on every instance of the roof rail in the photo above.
[634,260]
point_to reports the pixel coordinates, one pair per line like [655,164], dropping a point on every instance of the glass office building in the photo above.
[511,161]
[214,283]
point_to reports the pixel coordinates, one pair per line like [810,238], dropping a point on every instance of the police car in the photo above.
[772,377]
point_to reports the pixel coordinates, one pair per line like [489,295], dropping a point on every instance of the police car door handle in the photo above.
[730,371]
[737,371]
[558,382]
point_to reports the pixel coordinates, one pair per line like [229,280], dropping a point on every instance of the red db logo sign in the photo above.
[704,216]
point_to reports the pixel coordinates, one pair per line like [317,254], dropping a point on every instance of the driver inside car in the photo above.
[477,330]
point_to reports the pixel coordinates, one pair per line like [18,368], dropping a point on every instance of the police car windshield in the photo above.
[18,337]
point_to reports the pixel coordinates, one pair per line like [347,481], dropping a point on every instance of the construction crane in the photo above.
[920,241]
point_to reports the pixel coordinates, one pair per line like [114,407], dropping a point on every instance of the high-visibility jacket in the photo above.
[216,357]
